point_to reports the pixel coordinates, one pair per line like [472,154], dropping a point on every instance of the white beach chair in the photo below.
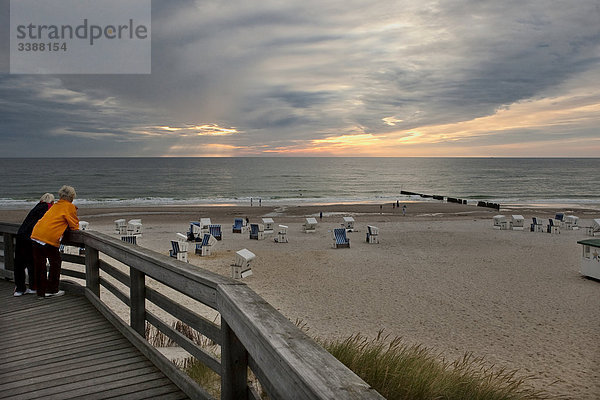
[590,260]
[348,223]
[134,227]
[281,234]
[269,225]
[310,225]
[121,226]
[204,248]
[571,222]
[536,225]
[195,231]
[498,220]
[372,234]
[242,264]
[594,229]
[179,248]
[83,225]
[553,226]
[204,225]
[215,230]
[518,222]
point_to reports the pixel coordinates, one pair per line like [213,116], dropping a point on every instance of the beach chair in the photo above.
[571,222]
[553,226]
[204,225]
[590,260]
[594,229]
[348,223]
[498,220]
[536,225]
[83,225]
[340,239]
[372,234]
[257,231]
[242,264]
[559,219]
[281,234]
[269,225]
[132,239]
[179,248]
[517,222]
[310,225]
[204,248]
[215,231]
[239,225]
[134,227]
[121,226]
[194,234]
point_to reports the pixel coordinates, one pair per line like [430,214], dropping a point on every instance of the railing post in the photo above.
[9,252]
[137,295]
[234,365]
[92,270]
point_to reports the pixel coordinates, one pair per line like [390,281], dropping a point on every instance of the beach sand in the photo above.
[441,276]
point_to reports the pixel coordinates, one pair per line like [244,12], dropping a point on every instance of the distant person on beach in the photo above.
[247,221]
[24,247]
[397,203]
[321,215]
[46,237]
[404,210]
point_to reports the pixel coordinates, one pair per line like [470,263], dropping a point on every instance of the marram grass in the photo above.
[396,370]
[399,371]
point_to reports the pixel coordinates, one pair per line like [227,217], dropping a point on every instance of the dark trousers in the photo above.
[24,261]
[46,283]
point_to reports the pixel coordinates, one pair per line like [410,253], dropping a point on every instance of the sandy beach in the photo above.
[441,276]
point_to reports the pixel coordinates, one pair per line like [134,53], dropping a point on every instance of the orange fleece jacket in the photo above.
[50,228]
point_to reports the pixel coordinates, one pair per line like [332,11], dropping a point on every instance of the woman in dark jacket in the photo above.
[24,249]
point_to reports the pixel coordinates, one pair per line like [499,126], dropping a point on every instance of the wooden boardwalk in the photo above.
[63,348]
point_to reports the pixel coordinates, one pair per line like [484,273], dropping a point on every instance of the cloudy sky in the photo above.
[329,78]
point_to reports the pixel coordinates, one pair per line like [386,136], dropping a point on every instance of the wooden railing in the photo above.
[251,335]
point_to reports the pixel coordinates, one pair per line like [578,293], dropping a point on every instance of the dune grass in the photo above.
[396,370]
[399,371]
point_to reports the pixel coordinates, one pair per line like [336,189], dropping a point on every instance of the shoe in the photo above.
[30,291]
[59,293]
[17,294]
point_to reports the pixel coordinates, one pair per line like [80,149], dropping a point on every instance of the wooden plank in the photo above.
[115,291]
[234,360]
[184,382]
[294,361]
[115,273]
[92,271]
[201,324]
[137,297]
[186,344]
[197,283]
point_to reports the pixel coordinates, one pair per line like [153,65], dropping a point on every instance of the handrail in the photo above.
[252,334]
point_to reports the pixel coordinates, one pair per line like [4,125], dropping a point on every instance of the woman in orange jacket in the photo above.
[46,237]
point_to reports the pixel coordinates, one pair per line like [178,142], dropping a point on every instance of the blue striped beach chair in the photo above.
[340,239]
[215,230]
[238,225]
[257,231]
[177,252]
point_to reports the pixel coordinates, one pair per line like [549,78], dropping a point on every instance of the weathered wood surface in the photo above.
[288,363]
[62,348]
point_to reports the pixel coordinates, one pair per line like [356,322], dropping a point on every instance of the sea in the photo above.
[118,182]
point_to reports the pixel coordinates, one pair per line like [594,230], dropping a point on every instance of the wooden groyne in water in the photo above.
[495,206]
